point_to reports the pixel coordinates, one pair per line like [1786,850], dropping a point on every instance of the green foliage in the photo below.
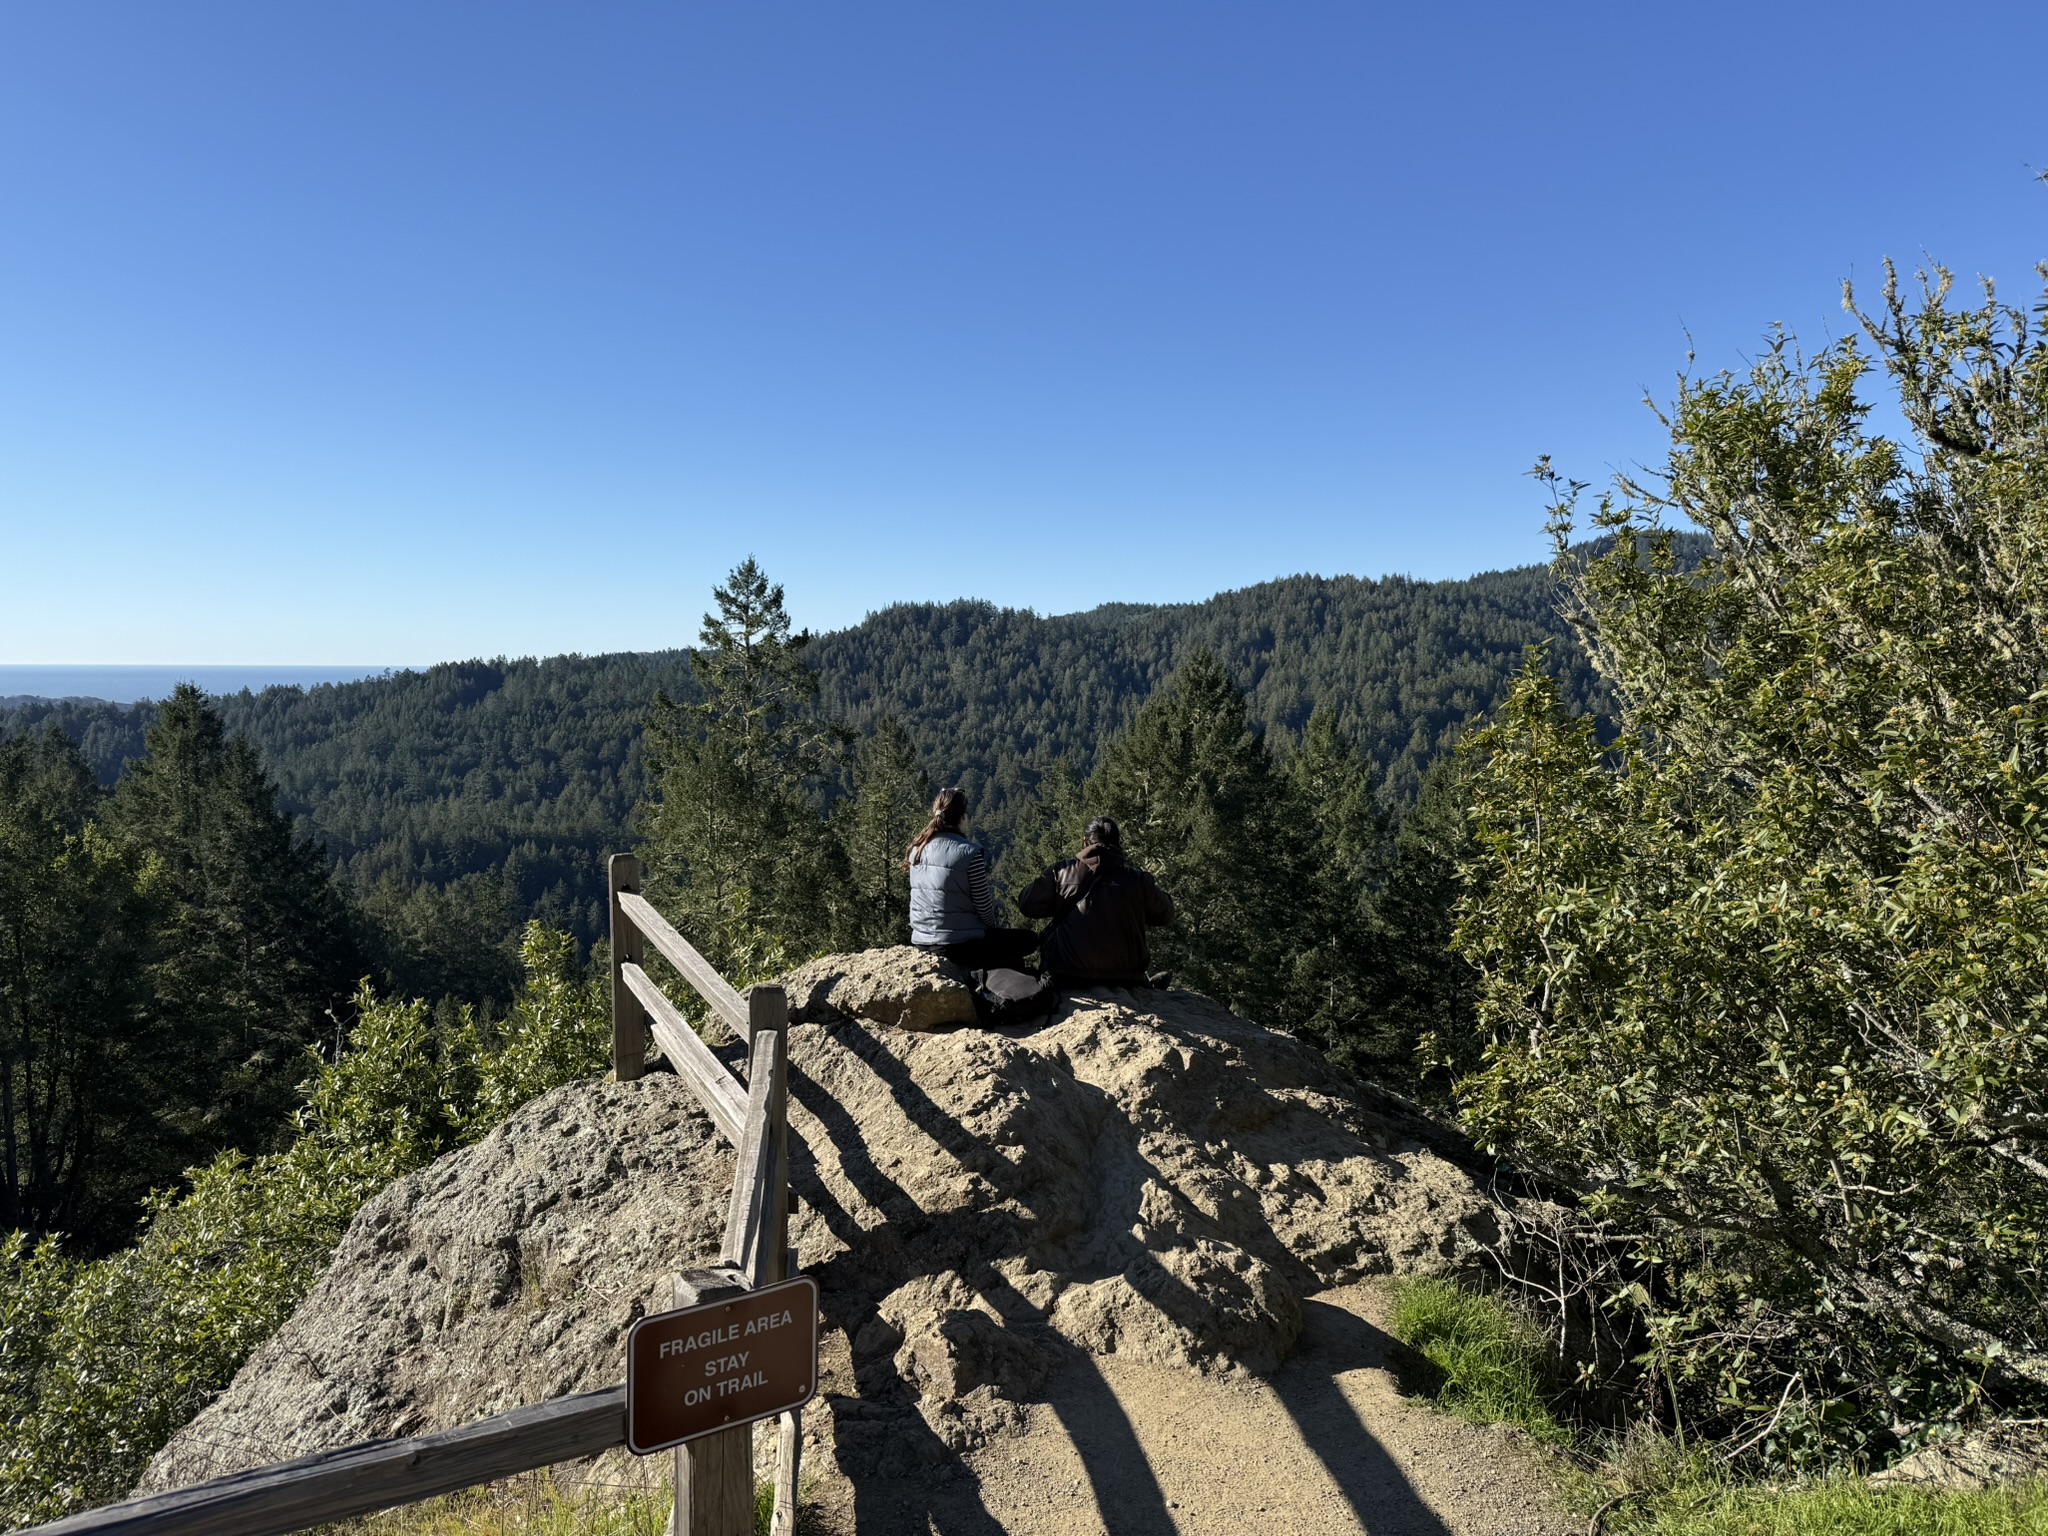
[1423,997]
[1335,952]
[1278,868]
[102,1360]
[527,772]
[249,944]
[1205,810]
[79,1142]
[891,801]
[1763,975]
[1048,827]
[533,1505]
[559,1031]
[1491,1362]
[737,853]
[455,940]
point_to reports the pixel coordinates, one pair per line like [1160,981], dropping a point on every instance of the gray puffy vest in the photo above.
[940,910]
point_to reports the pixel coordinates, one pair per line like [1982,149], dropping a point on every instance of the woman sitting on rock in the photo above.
[952,912]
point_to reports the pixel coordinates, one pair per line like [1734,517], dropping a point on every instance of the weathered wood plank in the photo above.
[716,1088]
[714,1475]
[752,1228]
[360,1479]
[768,1008]
[789,1449]
[629,1044]
[726,1005]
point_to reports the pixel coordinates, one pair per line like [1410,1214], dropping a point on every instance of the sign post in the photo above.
[721,1364]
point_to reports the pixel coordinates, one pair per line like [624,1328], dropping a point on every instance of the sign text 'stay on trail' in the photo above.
[721,1364]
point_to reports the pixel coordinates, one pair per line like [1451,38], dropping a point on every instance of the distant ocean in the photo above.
[124,685]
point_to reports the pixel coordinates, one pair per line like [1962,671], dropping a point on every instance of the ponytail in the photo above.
[949,810]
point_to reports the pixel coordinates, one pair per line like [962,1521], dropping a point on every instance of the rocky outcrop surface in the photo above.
[903,987]
[501,1275]
[1144,1175]
[2000,1452]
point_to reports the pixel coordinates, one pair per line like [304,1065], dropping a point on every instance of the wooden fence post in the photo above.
[768,1009]
[714,1475]
[629,1019]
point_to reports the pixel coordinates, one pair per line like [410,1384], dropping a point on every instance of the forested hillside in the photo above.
[513,777]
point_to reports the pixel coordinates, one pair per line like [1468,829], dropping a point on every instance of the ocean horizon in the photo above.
[131,684]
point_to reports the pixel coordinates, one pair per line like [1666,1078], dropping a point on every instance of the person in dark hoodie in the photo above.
[952,911]
[1100,906]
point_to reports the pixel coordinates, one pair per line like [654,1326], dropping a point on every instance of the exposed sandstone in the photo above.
[903,987]
[1146,1175]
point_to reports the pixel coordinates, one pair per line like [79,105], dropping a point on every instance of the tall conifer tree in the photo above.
[1204,808]
[250,946]
[890,801]
[78,1142]
[739,854]
[1335,812]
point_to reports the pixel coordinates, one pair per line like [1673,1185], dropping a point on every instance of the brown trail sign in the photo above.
[720,1365]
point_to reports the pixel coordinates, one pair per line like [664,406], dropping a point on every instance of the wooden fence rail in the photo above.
[360,1479]
[714,1476]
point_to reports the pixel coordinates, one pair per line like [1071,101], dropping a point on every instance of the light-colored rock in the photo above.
[503,1274]
[1147,1175]
[903,987]
[1983,1458]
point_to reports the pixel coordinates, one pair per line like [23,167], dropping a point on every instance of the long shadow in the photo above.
[1126,1490]
[848,1301]
[1372,1483]
[1127,1493]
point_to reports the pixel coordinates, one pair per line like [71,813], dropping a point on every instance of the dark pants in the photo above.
[998,949]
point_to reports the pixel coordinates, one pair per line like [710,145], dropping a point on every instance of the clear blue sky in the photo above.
[384,333]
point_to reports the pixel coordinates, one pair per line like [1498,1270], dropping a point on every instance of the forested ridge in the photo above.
[522,774]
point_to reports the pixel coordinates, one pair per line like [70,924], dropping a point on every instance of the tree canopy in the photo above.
[1763,977]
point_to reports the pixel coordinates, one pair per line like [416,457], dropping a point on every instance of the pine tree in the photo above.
[79,1143]
[1332,965]
[1419,988]
[890,801]
[739,854]
[1204,809]
[249,946]
[1047,828]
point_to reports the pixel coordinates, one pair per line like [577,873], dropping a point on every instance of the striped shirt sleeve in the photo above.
[978,891]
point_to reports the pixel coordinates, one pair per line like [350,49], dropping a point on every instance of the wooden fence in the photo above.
[714,1476]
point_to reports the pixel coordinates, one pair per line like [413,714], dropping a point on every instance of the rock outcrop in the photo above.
[1146,1174]
[902,987]
[1995,1453]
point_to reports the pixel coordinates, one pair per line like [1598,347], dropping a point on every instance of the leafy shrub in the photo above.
[1762,975]
[102,1361]
[1492,1362]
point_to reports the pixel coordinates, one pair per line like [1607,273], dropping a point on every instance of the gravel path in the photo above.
[1328,1444]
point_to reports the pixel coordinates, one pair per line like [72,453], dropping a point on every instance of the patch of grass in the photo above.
[1491,1362]
[525,1506]
[533,1505]
[1845,1506]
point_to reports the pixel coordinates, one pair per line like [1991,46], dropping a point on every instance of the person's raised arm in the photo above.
[1041,897]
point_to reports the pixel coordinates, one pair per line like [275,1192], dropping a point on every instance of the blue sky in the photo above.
[386,333]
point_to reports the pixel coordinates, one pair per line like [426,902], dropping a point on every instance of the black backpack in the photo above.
[1003,997]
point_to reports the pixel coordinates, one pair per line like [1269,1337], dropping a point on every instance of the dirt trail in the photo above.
[1328,1444]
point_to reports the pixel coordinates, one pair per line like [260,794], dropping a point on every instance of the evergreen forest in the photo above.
[475,795]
